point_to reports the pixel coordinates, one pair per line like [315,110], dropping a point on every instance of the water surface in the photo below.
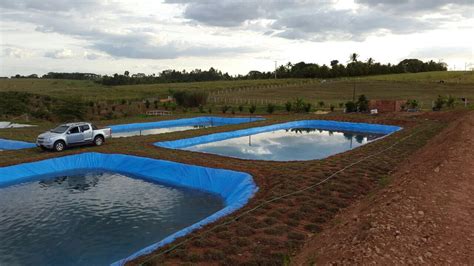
[154,131]
[92,218]
[287,144]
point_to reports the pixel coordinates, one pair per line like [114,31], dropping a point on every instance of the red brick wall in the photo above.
[386,105]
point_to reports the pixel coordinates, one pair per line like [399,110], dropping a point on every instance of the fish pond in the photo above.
[292,141]
[92,218]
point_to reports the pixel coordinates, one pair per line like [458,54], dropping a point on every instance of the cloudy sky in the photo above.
[235,36]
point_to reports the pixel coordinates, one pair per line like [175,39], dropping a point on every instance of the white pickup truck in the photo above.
[72,134]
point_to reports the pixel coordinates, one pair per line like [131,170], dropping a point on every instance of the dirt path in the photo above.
[426,214]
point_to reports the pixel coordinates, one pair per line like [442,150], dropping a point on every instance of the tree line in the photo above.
[354,67]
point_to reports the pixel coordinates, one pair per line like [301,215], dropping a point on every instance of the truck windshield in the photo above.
[60,129]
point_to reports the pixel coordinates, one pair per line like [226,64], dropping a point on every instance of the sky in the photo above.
[234,36]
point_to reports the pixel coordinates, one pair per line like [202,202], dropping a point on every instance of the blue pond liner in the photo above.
[319,124]
[236,188]
[7,144]
[184,122]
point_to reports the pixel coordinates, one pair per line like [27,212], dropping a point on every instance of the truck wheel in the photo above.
[59,146]
[99,140]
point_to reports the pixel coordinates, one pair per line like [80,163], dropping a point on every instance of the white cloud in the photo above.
[60,54]
[17,52]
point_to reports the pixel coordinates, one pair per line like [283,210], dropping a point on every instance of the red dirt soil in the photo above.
[425,215]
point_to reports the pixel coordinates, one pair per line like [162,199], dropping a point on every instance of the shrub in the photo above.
[270,108]
[307,107]
[225,108]
[155,103]
[190,98]
[288,106]
[241,108]
[201,109]
[351,107]
[363,103]
[321,103]
[439,103]
[341,105]
[209,110]
[412,104]
[252,108]
[299,105]
[331,107]
[450,101]
[147,104]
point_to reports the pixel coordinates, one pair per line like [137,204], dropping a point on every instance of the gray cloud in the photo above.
[414,5]
[132,42]
[322,20]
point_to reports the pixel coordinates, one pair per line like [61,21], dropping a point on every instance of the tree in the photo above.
[334,64]
[353,58]
[126,73]
[370,61]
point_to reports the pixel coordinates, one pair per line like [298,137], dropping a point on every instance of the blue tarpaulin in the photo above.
[6,144]
[319,124]
[203,120]
[236,188]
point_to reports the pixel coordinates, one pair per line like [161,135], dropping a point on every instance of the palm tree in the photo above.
[353,57]
[370,61]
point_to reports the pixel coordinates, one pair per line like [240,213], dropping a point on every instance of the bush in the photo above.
[288,106]
[307,107]
[225,108]
[252,108]
[201,109]
[270,108]
[412,104]
[331,107]
[351,107]
[209,110]
[321,104]
[299,105]
[363,103]
[241,108]
[190,98]
[147,104]
[450,101]
[439,103]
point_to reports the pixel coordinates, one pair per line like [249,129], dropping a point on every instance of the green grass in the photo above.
[89,90]
[424,87]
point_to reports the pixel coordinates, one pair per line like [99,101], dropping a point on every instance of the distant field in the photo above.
[89,90]
[424,87]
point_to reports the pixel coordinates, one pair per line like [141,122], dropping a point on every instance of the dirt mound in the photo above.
[424,216]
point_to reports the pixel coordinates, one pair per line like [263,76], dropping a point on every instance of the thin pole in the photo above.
[354,90]
[275,69]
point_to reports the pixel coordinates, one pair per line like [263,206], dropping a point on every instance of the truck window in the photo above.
[60,129]
[84,128]
[74,130]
